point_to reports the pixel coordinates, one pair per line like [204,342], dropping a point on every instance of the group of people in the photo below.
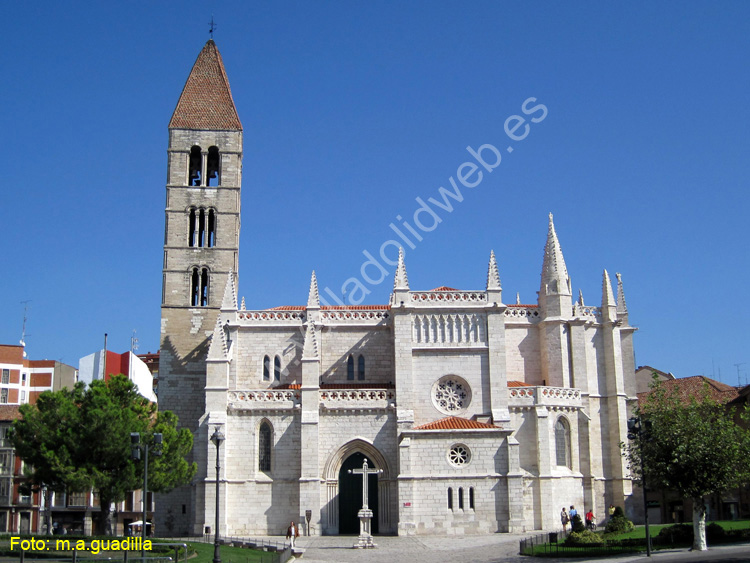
[567,517]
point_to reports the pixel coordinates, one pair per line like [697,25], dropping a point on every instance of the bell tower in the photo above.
[201,247]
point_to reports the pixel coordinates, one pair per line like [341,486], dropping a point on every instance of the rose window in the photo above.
[459,455]
[451,395]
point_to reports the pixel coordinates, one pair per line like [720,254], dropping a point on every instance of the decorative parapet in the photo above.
[355,316]
[263,399]
[522,314]
[451,298]
[449,330]
[271,317]
[594,313]
[552,397]
[333,399]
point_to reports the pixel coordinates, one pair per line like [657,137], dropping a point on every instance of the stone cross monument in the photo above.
[365,514]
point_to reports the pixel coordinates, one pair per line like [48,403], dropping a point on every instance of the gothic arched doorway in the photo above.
[350,495]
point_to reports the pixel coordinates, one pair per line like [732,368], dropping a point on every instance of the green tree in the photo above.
[694,447]
[84,436]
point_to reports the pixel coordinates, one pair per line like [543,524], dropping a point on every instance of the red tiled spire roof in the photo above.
[206,100]
[455,423]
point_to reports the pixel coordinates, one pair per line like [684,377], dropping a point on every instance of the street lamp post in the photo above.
[136,448]
[217,438]
[636,431]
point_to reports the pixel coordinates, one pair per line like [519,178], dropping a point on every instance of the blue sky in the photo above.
[351,111]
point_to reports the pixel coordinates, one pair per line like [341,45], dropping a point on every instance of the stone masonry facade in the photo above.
[482,416]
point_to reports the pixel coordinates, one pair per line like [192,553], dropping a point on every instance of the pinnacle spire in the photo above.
[313,299]
[580,298]
[242,305]
[555,279]
[229,303]
[518,298]
[608,299]
[493,277]
[622,306]
[401,280]
[206,101]
[217,350]
[310,347]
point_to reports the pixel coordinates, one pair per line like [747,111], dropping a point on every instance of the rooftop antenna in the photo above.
[133,342]
[739,384]
[23,328]
[211,27]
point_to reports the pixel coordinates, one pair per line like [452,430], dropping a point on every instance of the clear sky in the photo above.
[352,111]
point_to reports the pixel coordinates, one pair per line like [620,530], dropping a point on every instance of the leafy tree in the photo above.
[80,439]
[694,447]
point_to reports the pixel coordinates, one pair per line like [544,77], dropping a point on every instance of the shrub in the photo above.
[714,532]
[619,512]
[679,533]
[576,524]
[584,537]
[619,525]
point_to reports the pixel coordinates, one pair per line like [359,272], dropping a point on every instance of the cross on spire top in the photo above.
[211,27]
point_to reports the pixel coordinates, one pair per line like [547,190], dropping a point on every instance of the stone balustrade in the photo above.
[544,396]
[357,398]
[439,298]
[263,399]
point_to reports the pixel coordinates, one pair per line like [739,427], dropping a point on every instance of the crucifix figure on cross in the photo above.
[365,515]
[365,472]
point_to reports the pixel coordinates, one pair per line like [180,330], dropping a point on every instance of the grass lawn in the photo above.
[205,554]
[640,531]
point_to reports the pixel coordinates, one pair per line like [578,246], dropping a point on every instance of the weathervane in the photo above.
[211,27]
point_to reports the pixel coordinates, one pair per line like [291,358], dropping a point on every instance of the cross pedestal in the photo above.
[365,515]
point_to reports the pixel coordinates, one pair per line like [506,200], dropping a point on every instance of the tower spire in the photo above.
[206,101]
[622,306]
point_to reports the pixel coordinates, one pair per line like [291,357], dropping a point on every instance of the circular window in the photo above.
[459,455]
[451,394]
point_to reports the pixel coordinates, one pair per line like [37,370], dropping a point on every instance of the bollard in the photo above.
[23,555]
[75,555]
[125,556]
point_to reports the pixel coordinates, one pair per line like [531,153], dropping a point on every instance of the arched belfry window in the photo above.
[265,439]
[199,287]
[212,167]
[266,368]
[350,368]
[201,228]
[562,443]
[195,166]
[277,368]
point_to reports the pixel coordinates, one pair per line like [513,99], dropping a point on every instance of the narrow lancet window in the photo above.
[204,287]
[350,368]
[211,228]
[460,498]
[201,228]
[266,368]
[191,228]
[195,166]
[212,167]
[450,498]
[562,443]
[264,446]
[471,498]
[277,368]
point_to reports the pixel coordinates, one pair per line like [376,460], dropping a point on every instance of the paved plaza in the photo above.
[480,549]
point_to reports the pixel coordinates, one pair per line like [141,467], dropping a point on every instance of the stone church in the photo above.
[481,416]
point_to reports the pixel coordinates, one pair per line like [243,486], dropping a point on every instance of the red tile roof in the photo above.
[444,288]
[9,412]
[525,306]
[206,100]
[518,384]
[692,387]
[455,423]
